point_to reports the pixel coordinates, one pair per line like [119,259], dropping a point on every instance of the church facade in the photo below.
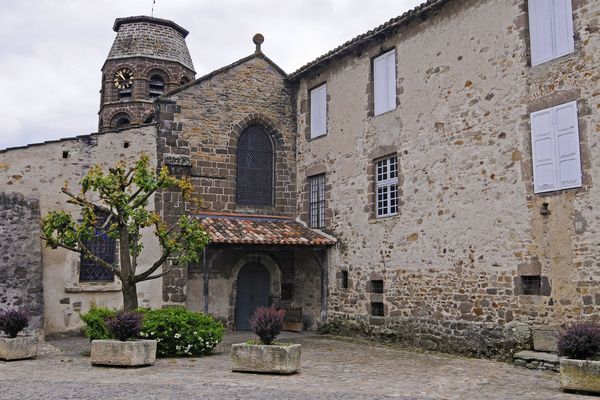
[429,182]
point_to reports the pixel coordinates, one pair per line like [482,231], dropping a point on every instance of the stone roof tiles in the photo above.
[261,230]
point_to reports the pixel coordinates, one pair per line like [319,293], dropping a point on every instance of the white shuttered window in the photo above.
[384,82]
[318,111]
[555,147]
[551,29]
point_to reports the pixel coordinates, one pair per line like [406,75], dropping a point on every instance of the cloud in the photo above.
[52,50]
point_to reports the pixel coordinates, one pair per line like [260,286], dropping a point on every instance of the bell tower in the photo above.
[149,57]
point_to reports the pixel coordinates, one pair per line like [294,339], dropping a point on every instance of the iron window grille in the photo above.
[532,285]
[387,187]
[255,161]
[105,248]
[317,201]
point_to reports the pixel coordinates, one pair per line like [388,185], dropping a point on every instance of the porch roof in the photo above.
[261,230]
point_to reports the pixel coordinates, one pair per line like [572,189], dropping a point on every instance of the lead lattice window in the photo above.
[387,187]
[317,201]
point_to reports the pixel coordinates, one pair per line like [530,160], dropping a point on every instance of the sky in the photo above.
[51,51]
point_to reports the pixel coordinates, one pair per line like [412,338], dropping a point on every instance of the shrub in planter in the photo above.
[267,323]
[580,341]
[125,325]
[181,333]
[579,348]
[13,321]
[13,347]
[95,322]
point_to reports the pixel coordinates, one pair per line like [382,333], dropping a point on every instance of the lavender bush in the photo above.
[580,341]
[13,321]
[267,323]
[125,325]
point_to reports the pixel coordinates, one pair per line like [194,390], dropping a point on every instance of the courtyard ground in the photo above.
[332,368]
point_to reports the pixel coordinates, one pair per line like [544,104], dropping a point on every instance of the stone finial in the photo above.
[258,39]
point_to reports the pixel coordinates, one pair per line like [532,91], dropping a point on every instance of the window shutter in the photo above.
[540,30]
[563,27]
[567,143]
[542,144]
[318,111]
[380,77]
[391,81]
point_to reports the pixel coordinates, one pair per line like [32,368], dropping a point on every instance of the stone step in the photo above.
[537,360]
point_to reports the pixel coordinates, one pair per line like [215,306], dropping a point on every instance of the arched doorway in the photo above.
[252,292]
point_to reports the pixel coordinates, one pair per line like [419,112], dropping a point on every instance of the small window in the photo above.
[317,201]
[157,86]
[376,286]
[344,279]
[318,111]
[532,285]
[386,194]
[377,309]
[384,82]
[149,119]
[65,154]
[121,122]
[105,248]
[184,80]
[555,148]
[550,29]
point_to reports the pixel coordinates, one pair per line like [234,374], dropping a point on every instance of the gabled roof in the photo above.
[224,69]
[261,230]
[365,38]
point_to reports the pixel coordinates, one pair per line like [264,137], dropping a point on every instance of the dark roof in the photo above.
[365,38]
[152,20]
[225,69]
[261,230]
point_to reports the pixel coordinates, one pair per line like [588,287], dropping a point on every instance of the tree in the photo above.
[115,203]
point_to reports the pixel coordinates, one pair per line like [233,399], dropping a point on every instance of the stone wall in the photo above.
[21,256]
[40,171]
[469,224]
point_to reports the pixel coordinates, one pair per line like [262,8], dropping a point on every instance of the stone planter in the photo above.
[272,359]
[133,353]
[18,348]
[580,375]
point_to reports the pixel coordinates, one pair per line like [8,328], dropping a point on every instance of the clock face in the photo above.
[123,79]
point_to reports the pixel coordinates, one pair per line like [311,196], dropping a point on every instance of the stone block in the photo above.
[18,348]
[134,353]
[274,359]
[580,375]
[544,339]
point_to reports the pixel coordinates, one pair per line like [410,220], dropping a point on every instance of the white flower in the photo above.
[177,336]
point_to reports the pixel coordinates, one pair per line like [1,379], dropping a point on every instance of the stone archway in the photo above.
[274,281]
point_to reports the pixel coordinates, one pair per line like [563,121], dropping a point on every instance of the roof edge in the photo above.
[152,20]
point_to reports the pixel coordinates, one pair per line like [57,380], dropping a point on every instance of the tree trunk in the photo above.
[130,299]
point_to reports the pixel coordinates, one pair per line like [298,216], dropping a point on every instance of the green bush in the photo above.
[181,333]
[95,318]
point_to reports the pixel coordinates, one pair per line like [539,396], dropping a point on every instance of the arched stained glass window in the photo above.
[255,168]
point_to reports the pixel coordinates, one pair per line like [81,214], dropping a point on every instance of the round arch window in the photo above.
[120,121]
[157,86]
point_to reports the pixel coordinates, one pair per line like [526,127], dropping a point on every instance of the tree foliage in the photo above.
[115,203]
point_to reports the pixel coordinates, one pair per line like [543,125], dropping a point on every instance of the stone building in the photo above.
[430,181]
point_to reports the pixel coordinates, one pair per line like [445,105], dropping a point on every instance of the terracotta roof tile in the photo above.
[261,230]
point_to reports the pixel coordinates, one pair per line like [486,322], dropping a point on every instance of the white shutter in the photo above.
[567,146]
[384,82]
[540,31]
[555,148]
[318,111]
[542,145]
[380,77]
[391,81]
[563,27]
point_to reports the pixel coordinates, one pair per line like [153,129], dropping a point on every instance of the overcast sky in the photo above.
[51,51]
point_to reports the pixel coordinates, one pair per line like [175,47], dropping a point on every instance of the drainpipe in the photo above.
[322,261]
[205,279]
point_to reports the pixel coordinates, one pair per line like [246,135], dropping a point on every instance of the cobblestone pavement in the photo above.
[331,369]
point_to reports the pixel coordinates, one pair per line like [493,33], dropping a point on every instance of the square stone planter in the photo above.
[580,375]
[18,348]
[272,359]
[132,353]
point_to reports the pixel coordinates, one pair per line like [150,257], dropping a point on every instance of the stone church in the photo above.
[431,181]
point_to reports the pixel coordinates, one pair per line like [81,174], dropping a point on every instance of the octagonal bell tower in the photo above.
[149,57]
